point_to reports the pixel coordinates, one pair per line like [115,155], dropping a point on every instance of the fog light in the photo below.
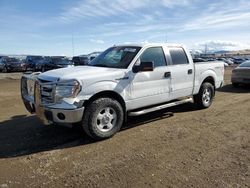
[61,116]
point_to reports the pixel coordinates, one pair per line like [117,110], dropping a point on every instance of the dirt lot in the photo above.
[193,148]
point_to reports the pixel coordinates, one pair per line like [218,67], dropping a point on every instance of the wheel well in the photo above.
[108,94]
[210,80]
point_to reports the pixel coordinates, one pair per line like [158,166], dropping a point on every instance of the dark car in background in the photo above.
[238,60]
[56,63]
[241,74]
[198,60]
[39,64]
[34,62]
[80,60]
[12,64]
[2,65]
[84,59]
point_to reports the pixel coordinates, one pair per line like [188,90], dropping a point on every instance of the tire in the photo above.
[235,84]
[43,69]
[5,70]
[103,118]
[204,98]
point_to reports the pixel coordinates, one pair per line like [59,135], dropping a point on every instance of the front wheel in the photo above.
[5,70]
[103,118]
[43,69]
[205,96]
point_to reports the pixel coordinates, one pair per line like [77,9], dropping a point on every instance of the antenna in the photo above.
[73,45]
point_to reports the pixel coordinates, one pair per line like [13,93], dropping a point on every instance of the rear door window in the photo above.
[178,56]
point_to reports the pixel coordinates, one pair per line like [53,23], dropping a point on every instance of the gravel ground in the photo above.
[11,76]
[192,148]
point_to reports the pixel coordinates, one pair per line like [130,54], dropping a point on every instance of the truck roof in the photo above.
[152,44]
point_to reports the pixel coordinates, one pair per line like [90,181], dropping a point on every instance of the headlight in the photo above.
[30,87]
[67,89]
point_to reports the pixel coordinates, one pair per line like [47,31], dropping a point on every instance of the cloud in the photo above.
[221,15]
[85,9]
[214,45]
[173,3]
[97,41]
[100,8]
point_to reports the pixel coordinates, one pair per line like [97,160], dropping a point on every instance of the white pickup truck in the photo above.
[126,80]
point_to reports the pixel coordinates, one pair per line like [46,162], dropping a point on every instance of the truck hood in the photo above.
[82,73]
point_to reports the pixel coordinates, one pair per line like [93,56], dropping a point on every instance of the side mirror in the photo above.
[144,67]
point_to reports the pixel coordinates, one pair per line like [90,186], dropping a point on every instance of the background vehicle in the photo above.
[56,63]
[198,60]
[12,64]
[238,60]
[80,60]
[124,80]
[38,65]
[241,74]
[33,61]
[93,55]
[226,61]
[2,65]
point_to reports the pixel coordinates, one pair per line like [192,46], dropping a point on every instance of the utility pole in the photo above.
[205,49]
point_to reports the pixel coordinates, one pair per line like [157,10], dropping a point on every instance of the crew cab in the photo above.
[126,80]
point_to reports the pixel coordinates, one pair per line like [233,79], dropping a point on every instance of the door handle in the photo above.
[167,74]
[190,71]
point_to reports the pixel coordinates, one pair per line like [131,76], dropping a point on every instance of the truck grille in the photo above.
[24,88]
[46,90]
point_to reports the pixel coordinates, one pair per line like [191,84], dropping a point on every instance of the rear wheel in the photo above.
[103,118]
[205,96]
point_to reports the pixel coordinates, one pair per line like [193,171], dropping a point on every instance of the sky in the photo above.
[75,27]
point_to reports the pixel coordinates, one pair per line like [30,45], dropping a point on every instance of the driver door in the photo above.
[150,87]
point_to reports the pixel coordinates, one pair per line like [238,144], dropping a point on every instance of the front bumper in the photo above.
[50,115]
[63,113]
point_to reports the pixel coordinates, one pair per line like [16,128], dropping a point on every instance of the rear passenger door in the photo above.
[182,73]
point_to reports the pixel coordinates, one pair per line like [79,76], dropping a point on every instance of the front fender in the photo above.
[97,87]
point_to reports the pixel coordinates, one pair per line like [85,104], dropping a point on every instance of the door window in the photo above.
[178,56]
[155,55]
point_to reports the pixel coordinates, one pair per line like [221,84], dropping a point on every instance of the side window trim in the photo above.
[167,55]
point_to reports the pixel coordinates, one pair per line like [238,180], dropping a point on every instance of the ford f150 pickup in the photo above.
[126,80]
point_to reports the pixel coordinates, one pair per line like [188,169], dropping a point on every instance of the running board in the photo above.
[156,108]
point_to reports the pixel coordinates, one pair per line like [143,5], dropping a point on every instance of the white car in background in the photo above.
[241,74]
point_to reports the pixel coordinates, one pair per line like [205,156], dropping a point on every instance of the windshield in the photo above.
[116,57]
[245,64]
[12,60]
[34,58]
[61,61]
